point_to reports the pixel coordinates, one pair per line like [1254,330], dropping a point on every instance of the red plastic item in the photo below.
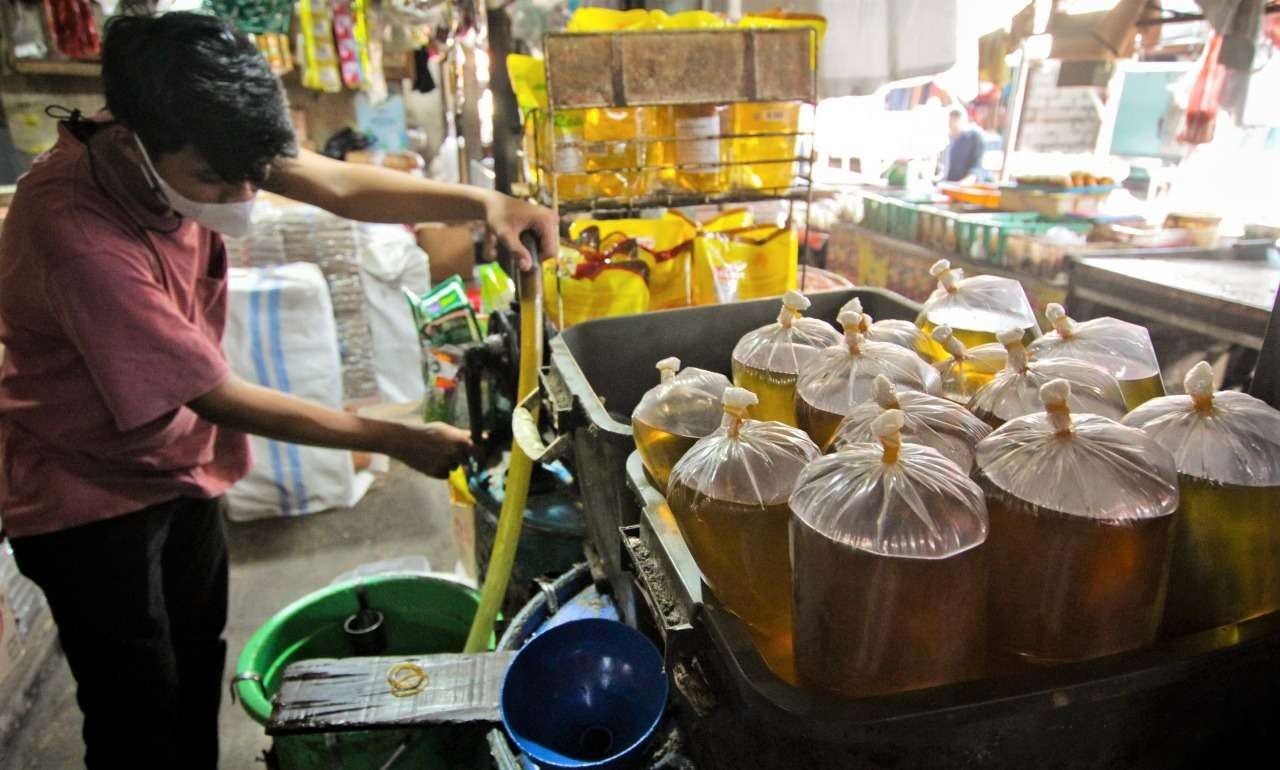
[72,28]
[1206,98]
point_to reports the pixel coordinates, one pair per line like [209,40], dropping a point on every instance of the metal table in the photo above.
[1230,299]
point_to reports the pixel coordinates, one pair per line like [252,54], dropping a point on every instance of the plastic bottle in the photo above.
[729,495]
[768,360]
[1122,348]
[841,377]
[929,420]
[1226,552]
[698,151]
[672,416]
[890,571]
[1082,524]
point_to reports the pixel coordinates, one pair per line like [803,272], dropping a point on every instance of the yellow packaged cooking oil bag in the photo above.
[581,285]
[608,20]
[664,244]
[748,263]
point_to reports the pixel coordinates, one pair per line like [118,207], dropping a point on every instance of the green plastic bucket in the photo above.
[422,615]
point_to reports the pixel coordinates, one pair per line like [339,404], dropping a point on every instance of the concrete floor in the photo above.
[273,562]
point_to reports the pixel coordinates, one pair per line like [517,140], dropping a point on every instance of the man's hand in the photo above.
[507,217]
[434,449]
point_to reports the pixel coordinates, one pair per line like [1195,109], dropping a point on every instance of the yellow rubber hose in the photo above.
[517,489]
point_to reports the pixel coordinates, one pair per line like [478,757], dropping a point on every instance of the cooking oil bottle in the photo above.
[672,416]
[889,568]
[768,360]
[1226,552]
[975,308]
[965,371]
[1081,532]
[764,150]
[729,496]
[698,152]
[929,420]
[1014,391]
[841,377]
[1122,348]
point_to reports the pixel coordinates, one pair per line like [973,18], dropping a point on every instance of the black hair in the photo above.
[188,78]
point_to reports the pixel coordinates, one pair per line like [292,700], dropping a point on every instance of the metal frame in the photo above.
[637,69]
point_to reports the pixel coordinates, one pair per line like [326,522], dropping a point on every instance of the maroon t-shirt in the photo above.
[111,317]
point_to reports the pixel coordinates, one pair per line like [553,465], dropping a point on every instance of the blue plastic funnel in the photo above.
[586,694]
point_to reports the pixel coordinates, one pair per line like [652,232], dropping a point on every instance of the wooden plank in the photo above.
[340,694]
[680,67]
[86,69]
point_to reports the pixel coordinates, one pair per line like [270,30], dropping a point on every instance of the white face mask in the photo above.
[230,219]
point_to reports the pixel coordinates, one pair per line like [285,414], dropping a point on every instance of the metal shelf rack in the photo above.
[674,68]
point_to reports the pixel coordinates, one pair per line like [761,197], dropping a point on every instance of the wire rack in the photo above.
[665,73]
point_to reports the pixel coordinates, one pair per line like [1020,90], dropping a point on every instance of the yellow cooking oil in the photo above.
[744,554]
[764,162]
[1226,556]
[660,450]
[1141,389]
[776,391]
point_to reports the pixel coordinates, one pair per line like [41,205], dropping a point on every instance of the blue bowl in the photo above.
[586,694]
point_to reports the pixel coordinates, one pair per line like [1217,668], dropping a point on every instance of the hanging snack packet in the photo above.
[965,371]
[1081,530]
[729,495]
[841,377]
[767,361]
[929,420]
[1014,391]
[1122,348]
[889,568]
[681,409]
[891,330]
[1226,551]
[975,309]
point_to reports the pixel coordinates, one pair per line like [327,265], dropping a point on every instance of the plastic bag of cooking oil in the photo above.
[1227,449]
[664,244]
[1081,529]
[889,567]
[975,308]
[843,376]
[966,370]
[1014,391]
[580,286]
[608,20]
[674,414]
[767,361]
[1122,348]
[729,495]
[751,263]
[929,420]
[892,330]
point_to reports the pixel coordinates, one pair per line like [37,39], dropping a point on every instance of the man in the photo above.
[120,423]
[964,152]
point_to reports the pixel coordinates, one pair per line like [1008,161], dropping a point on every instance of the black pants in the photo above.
[140,602]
